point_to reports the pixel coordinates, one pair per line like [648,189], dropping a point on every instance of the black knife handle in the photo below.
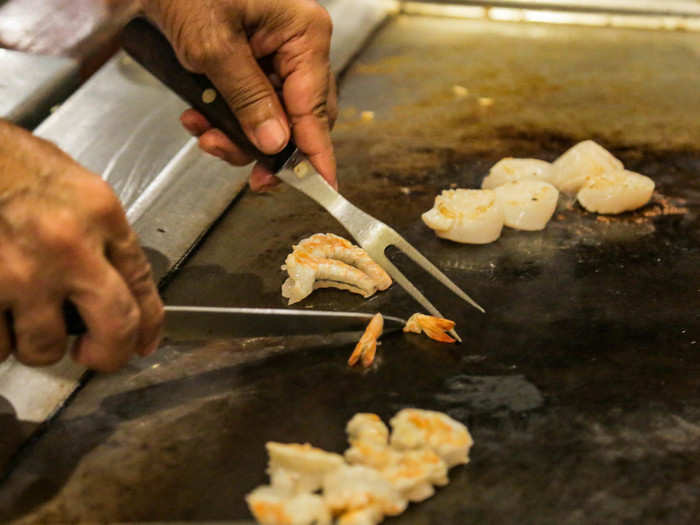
[74,323]
[151,49]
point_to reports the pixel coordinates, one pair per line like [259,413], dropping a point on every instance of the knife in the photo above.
[208,322]
[204,322]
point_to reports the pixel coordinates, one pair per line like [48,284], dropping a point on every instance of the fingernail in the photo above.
[270,136]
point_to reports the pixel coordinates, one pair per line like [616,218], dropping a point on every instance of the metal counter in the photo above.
[580,384]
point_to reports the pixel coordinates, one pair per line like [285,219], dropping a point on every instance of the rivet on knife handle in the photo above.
[152,50]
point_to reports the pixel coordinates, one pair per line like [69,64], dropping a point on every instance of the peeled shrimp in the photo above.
[370,515]
[274,506]
[366,347]
[513,170]
[527,204]
[433,327]
[583,160]
[329,246]
[326,260]
[467,216]
[615,192]
[415,472]
[367,427]
[357,487]
[420,429]
[300,468]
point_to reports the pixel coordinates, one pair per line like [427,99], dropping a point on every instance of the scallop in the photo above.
[615,192]
[585,159]
[274,506]
[466,216]
[528,204]
[512,170]
[300,468]
[418,429]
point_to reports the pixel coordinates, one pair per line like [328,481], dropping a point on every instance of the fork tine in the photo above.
[417,257]
[407,285]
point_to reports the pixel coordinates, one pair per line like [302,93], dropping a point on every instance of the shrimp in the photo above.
[273,506]
[300,468]
[326,260]
[433,327]
[419,429]
[331,246]
[366,347]
[357,487]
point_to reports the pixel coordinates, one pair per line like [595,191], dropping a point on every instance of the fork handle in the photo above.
[152,50]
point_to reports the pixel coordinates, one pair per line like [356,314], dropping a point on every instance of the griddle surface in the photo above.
[581,383]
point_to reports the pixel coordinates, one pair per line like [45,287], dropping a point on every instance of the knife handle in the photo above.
[74,323]
[151,49]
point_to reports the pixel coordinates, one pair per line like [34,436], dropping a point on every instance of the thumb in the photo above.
[251,97]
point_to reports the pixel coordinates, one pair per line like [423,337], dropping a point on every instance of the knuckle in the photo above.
[101,198]
[250,94]
[60,230]
[323,19]
[201,57]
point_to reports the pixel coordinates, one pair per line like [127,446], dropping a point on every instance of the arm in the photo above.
[64,236]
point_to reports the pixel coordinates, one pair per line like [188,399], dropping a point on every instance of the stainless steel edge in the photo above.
[32,84]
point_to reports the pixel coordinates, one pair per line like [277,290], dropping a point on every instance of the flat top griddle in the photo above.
[580,385]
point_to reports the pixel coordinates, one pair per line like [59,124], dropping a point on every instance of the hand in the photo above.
[251,51]
[64,236]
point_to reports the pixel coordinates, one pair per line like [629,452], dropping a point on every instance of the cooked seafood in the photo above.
[368,428]
[415,472]
[512,170]
[433,327]
[357,487]
[527,204]
[330,246]
[583,160]
[387,473]
[326,260]
[615,192]
[418,429]
[274,506]
[370,515]
[467,216]
[300,468]
[366,347]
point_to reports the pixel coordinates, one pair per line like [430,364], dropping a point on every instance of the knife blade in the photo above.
[204,322]
[188,322]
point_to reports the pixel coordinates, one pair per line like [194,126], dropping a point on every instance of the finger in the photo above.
[305,67]
[251,97]
[194,122]
[40,331]
[5,338]
[216,143]
[332,101]
[111,316]
[261,179]
[129,260]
